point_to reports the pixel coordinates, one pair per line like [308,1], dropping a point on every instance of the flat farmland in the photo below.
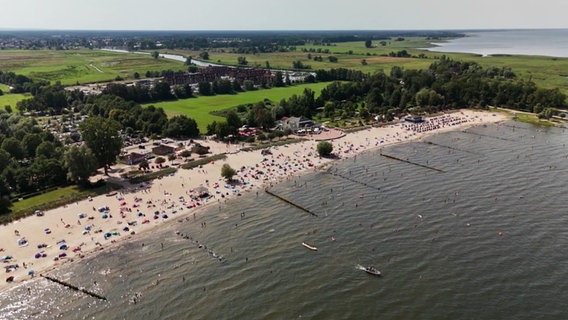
[81,66]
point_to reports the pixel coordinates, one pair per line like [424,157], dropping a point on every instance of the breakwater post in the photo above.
[335,174]
[410,162]
[486,135]
[290,202]
[68,285]
[451,148]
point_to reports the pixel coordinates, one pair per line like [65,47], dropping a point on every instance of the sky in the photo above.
[282,14]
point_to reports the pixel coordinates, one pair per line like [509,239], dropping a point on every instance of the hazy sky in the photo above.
[281,14]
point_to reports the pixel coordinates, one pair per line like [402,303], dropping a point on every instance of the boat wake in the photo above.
[359,267]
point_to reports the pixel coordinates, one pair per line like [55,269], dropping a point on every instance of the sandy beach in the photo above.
[36,244]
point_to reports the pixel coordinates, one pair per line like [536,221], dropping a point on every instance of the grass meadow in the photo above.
[10,99]
[200,108]
[81,66]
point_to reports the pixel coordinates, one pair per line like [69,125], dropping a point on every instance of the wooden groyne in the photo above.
[486,135]
[352,180]
[410,162]
[452,148]
[291,203]
[68,285]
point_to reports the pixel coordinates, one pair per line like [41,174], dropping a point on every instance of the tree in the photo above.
[204,55]
[5,202]
[324,148]
[160,160]
[205,88]
[155,54]
[162,91]
[13,147]
[30,143]
[181,127]
[227,172]
[234,121]
[368,43]
[102,137]
[80,163]
[242,61]
[249,85]
[278,79]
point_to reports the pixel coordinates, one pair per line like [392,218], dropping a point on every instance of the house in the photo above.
[132,158]
[163,150]
[295,123]
[414,119]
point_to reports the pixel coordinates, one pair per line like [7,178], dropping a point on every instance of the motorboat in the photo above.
[373,271]
[309,246]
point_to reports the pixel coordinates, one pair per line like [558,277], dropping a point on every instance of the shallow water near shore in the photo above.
[476,230]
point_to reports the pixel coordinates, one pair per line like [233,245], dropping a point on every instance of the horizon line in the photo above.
[269,30]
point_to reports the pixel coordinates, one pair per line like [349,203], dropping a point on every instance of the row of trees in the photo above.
[445,84]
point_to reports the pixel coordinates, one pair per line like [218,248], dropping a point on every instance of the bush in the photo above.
[324,148]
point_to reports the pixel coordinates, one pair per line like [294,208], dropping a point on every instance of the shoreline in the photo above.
[83,229]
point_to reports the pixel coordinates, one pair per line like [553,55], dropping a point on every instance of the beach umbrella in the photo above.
[37,255]
[31,273]
[105,216]
[125,229]
[63,247]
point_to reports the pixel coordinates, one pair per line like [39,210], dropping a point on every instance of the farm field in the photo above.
[81,66]
[200,108]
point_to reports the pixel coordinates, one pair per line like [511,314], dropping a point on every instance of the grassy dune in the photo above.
[200,108]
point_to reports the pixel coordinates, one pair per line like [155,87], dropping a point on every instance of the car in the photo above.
[38,213]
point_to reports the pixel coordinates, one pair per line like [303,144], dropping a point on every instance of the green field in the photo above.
[38,200]
[200,108]
[547,72]
[81,66]
[11,99]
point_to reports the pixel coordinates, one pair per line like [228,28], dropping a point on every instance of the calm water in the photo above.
[547,42]
[484,238]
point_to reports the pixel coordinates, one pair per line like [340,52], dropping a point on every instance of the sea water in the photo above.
[470,225]
[543,42]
